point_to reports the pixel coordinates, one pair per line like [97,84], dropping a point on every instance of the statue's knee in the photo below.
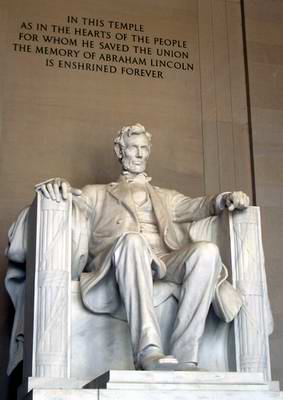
[207,250]
[132,239]
[207,259]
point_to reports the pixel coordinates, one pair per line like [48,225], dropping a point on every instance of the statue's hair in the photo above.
[119,142]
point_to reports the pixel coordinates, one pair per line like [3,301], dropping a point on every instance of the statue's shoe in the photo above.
[159,362]
[188,366]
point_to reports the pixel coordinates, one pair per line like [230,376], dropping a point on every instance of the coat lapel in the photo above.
[164,221]
[159,208]
[121,191]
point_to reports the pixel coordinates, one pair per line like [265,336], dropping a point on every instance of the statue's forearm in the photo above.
[17,238]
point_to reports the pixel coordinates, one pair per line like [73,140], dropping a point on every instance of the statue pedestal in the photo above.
[167,385]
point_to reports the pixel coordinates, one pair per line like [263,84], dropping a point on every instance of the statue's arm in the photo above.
[17,238]
[186,209]
[83,213]
[16,252]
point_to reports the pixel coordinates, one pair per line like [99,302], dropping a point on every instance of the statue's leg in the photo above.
[132,259]
[196,268]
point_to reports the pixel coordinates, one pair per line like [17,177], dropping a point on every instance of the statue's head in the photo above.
[132,147]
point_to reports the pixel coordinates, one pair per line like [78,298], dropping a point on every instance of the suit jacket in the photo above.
[103,214]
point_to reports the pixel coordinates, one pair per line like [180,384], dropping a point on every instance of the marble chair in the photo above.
[61,338]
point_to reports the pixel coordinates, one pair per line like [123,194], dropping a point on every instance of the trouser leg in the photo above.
[196,268]
[132,260]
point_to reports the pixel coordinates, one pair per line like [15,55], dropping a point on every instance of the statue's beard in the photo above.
[135,167]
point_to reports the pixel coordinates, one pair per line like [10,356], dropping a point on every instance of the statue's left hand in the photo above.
[237,201]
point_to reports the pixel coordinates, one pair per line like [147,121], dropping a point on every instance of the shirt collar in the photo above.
[142,178]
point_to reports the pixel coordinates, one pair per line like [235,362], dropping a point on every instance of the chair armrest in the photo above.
[238,236]
[48,294]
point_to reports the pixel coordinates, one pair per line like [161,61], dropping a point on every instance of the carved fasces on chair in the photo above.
[238,236]
[50,264]
[252,325]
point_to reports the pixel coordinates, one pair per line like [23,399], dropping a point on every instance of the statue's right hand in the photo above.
[57,189]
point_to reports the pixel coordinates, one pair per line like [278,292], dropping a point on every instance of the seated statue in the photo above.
[128,230]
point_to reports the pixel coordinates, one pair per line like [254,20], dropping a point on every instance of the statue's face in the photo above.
[135,153]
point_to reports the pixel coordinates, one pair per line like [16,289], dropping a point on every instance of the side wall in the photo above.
[264,38]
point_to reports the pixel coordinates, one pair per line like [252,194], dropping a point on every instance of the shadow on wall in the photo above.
[9,384]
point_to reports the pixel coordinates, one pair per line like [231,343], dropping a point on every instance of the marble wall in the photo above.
[224,106]
[264,38]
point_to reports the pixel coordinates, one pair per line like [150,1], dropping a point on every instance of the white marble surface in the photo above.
[254,322]
[64,394]
[182,377]
[53,383]
[186,386]
[149,395]
[167,385]
[177,384]
[111,346]
[133,230]
[100,342]
[47,317]
[184,395]
[194,383]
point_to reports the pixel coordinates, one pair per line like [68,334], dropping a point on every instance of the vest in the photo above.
[149,227]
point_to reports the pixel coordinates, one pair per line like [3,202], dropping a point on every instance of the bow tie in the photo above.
[140,178]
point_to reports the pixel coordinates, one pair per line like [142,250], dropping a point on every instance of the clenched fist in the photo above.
[236,201]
